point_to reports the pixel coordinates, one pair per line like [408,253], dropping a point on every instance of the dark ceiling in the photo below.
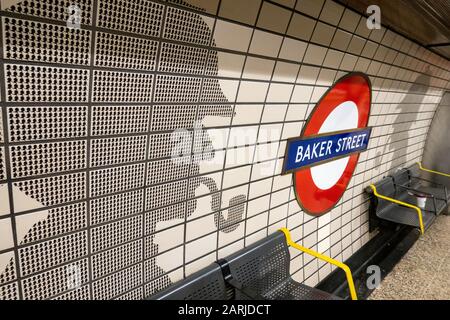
[425,21]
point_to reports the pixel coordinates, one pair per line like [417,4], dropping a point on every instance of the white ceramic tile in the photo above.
[333,59]
[331,12]
[308,74]
[277,225]
[273,113]
[341,40]
[265,44]
[225,238]
[302,94]
[279,198]
[323,34]
[310,7]
[239,156]
[264,169]
[218,137]
[266,153]
[170,260]
[348,62]
[229,89]
[24,223]
[169,238]
[232,36]
[251,91]
[235,177]
[209,21]
[279,92]
[301,27]
[350,20]
[4,204]
[200,227]
[285,72]
[6,239]
[369,49]
[315,54]
[296,112]
[242,11]
[293,50]
[200,264]
[318,92]
[230,194]
[203,207]
[294,207]
[377,34]
[214,164]
[326,77]
[201,247]
[362,29]
[260,188]
[247,114]
[230,249]
[292,129]
[283,183]
[23,202]
[256,223]
[269,132]
[273,17]
[259,204]
[240,136]
[257,68]
[362,64]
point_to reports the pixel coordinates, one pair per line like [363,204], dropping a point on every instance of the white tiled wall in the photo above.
[89,190]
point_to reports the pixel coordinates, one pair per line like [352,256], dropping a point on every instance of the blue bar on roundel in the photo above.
[310,151]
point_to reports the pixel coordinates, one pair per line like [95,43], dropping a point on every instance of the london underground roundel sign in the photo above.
[323,159]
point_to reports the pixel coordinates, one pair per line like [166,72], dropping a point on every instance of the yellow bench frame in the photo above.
[320,256]
[432,171]
[419,211]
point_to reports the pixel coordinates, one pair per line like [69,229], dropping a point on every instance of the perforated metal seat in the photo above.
[262,271]
[206,284]
[403,215]
[292,290]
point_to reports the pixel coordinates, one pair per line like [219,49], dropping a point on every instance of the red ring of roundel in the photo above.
[354,87]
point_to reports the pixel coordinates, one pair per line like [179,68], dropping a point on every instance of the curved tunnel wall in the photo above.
[437,146]
[145,145]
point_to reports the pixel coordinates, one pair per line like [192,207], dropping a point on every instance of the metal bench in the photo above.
[395,198]
[260,271]
[386,205]
[412,185]
[439,190]
[206,284]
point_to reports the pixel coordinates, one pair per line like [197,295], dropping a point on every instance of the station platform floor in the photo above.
[424,272]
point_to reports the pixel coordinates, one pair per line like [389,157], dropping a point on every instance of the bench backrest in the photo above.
[414,170]
[401,177]
[206,284]
[386,188]
[262,265]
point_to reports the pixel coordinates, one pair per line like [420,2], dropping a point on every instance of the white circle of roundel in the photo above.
[343,117]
